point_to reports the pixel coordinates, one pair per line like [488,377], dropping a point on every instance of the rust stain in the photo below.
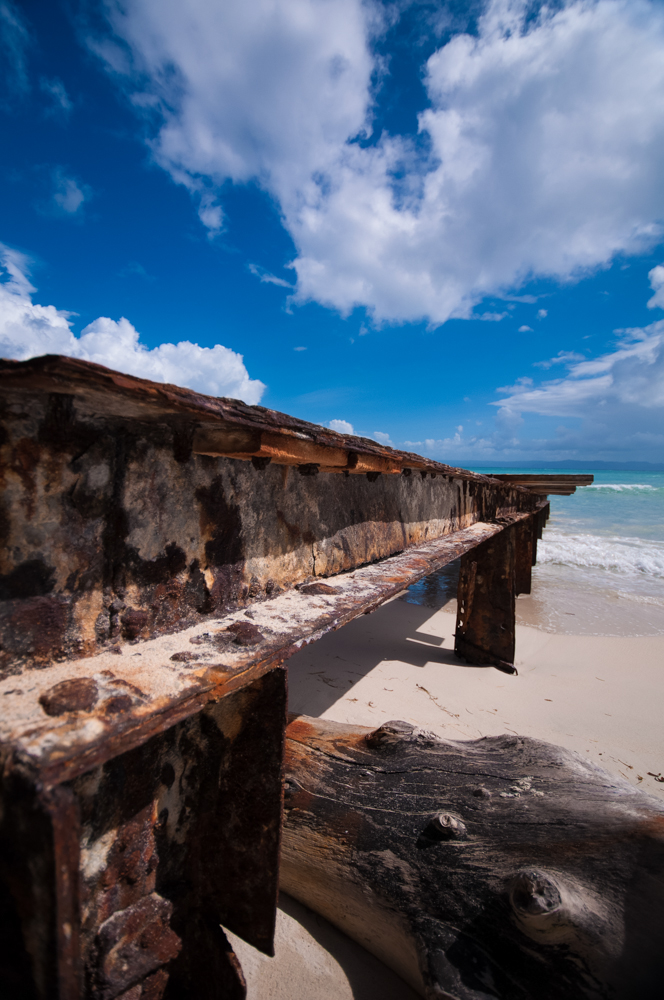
[134,942]
[80,694]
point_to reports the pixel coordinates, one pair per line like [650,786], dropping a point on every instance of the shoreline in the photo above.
[585,602]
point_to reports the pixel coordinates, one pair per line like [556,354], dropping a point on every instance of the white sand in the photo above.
[315,961]
[600,696]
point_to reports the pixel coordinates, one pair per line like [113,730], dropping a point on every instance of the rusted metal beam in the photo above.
[220,427]
[164,554]
[523,555]
[485,628]
[554,484]
[116,530]
[119,865]
[490,577]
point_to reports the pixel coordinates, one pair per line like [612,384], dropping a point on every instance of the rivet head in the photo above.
[445,826]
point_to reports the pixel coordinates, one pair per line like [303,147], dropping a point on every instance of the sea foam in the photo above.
[616,554]
[621,487]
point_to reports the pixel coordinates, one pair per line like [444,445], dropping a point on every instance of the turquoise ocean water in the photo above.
[600,563]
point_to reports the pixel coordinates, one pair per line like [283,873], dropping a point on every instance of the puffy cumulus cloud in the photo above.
[383,438]
[546,145]
[342,426]
[268,90]
[28,330]
[542,151]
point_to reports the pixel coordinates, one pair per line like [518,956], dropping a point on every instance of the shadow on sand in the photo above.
[367,977]
[321,674]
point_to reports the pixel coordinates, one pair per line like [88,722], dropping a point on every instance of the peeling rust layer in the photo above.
[117,879]
[490,577]
[240,427]
[114,529]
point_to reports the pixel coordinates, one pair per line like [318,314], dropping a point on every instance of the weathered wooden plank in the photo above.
[501,867]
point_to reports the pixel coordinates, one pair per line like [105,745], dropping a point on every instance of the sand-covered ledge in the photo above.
[601,696]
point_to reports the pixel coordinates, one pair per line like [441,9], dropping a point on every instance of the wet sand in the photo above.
[598,695]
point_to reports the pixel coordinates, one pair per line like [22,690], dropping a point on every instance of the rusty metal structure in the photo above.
[164,553]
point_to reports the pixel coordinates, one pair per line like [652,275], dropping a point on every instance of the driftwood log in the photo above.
[500,867]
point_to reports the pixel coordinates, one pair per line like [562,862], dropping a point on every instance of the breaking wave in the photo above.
[627,556]
[621,487]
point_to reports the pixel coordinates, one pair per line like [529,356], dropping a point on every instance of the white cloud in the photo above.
[383,438]
[491,317]
[14,42]
[656,277]
[525,329]
[545,137]
[342,426]
[28,330]
[630,376]
[542,313]
[61,104]
[268,90]
[209,212]
[69,194]
[561,358]
[299,348]
[614,405]
[267,278]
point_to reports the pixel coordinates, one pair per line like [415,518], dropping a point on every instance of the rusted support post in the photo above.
[115,874]
[538,521]
[523,555]
[485,629]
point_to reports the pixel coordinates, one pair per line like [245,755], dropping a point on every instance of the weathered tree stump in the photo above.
[500,867]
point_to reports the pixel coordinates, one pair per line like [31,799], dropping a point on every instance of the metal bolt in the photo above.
[445,826]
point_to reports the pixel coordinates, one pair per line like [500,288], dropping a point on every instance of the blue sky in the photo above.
[392,215]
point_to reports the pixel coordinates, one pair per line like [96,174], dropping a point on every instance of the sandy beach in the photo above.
[598,695]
